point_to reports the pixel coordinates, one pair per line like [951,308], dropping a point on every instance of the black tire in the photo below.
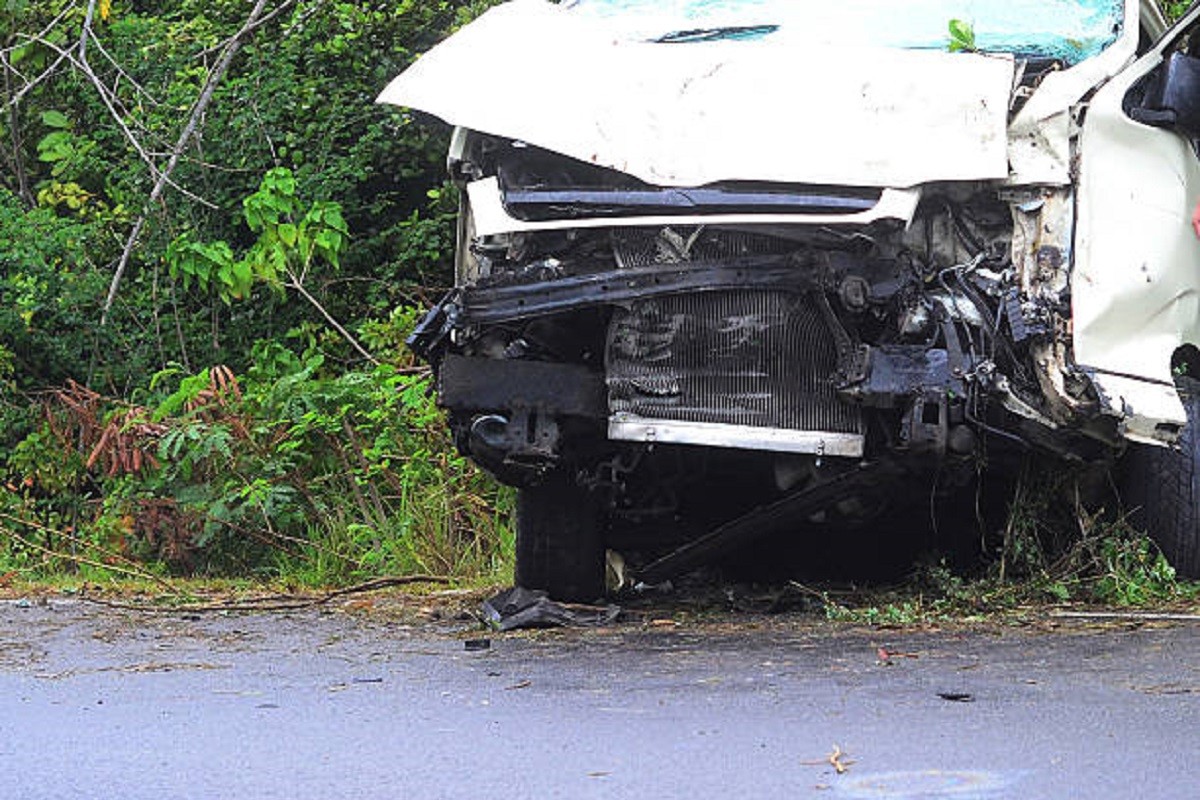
[560,540]
[1162,490]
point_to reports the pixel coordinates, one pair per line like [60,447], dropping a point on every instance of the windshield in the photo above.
[1066,30]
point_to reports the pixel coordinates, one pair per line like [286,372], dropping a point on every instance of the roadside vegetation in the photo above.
[212,245]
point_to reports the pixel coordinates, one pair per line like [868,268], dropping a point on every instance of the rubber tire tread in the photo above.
[560,540]
[1162,487]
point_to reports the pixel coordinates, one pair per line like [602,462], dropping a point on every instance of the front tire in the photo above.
[1162,486]
[560,540]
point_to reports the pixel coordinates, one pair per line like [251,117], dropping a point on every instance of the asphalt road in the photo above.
[97,703]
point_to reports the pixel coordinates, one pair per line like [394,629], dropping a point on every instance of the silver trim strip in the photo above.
[630,428]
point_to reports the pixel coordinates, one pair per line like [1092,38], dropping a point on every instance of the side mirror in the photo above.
[1172,99]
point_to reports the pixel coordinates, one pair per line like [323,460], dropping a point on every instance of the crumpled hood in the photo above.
[689,114]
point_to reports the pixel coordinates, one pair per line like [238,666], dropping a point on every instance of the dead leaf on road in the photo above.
[836,759]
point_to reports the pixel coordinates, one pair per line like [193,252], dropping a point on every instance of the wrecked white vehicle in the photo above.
[731,266]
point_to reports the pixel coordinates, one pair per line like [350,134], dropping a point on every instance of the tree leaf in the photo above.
[55,119]
[287,234]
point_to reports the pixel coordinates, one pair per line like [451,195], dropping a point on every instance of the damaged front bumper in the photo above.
[918,334]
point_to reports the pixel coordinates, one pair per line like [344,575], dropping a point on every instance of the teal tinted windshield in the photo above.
[1067,30]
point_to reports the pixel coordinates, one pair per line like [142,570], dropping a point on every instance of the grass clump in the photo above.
[1050,551]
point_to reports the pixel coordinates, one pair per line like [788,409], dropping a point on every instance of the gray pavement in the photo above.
[97,703]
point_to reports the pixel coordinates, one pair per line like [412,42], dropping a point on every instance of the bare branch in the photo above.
[30,85]
[201,105]
[270,15]
[337,326]
[85,31]
[109,99]
[123,74]
[45,30]
[18,166]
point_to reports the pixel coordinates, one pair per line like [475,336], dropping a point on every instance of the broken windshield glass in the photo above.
[1065,30]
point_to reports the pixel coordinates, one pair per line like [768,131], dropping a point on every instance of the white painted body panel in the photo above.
[694,114]
[1136,282]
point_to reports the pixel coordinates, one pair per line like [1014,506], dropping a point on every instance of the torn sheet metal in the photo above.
[1039,136]
[489,216]
[1150,413]
[682,116]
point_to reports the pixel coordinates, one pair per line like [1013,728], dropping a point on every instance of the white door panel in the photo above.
[1136,282]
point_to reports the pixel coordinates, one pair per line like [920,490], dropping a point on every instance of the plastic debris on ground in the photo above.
[529,608]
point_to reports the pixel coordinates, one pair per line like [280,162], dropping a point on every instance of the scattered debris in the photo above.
[886,658]
[616,573]
[151,666]
[527,608]
[474,645]
[1168,689]
[957,697]
[519,685]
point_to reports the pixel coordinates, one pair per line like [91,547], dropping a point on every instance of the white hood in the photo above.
[694,113]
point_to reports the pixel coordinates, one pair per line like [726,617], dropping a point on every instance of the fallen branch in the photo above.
[1140,616]
[265,604]
[134,572]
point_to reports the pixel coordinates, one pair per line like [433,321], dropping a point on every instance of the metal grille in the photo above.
[762,359]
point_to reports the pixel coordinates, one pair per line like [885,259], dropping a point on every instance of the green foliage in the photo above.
[50,288]
[1066,552]
[298,101]
[1174,9]
[293,455]
[1133,572]
[962,36]
[291,469]
[291,238]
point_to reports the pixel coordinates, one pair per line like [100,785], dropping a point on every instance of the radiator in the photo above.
[749,369]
